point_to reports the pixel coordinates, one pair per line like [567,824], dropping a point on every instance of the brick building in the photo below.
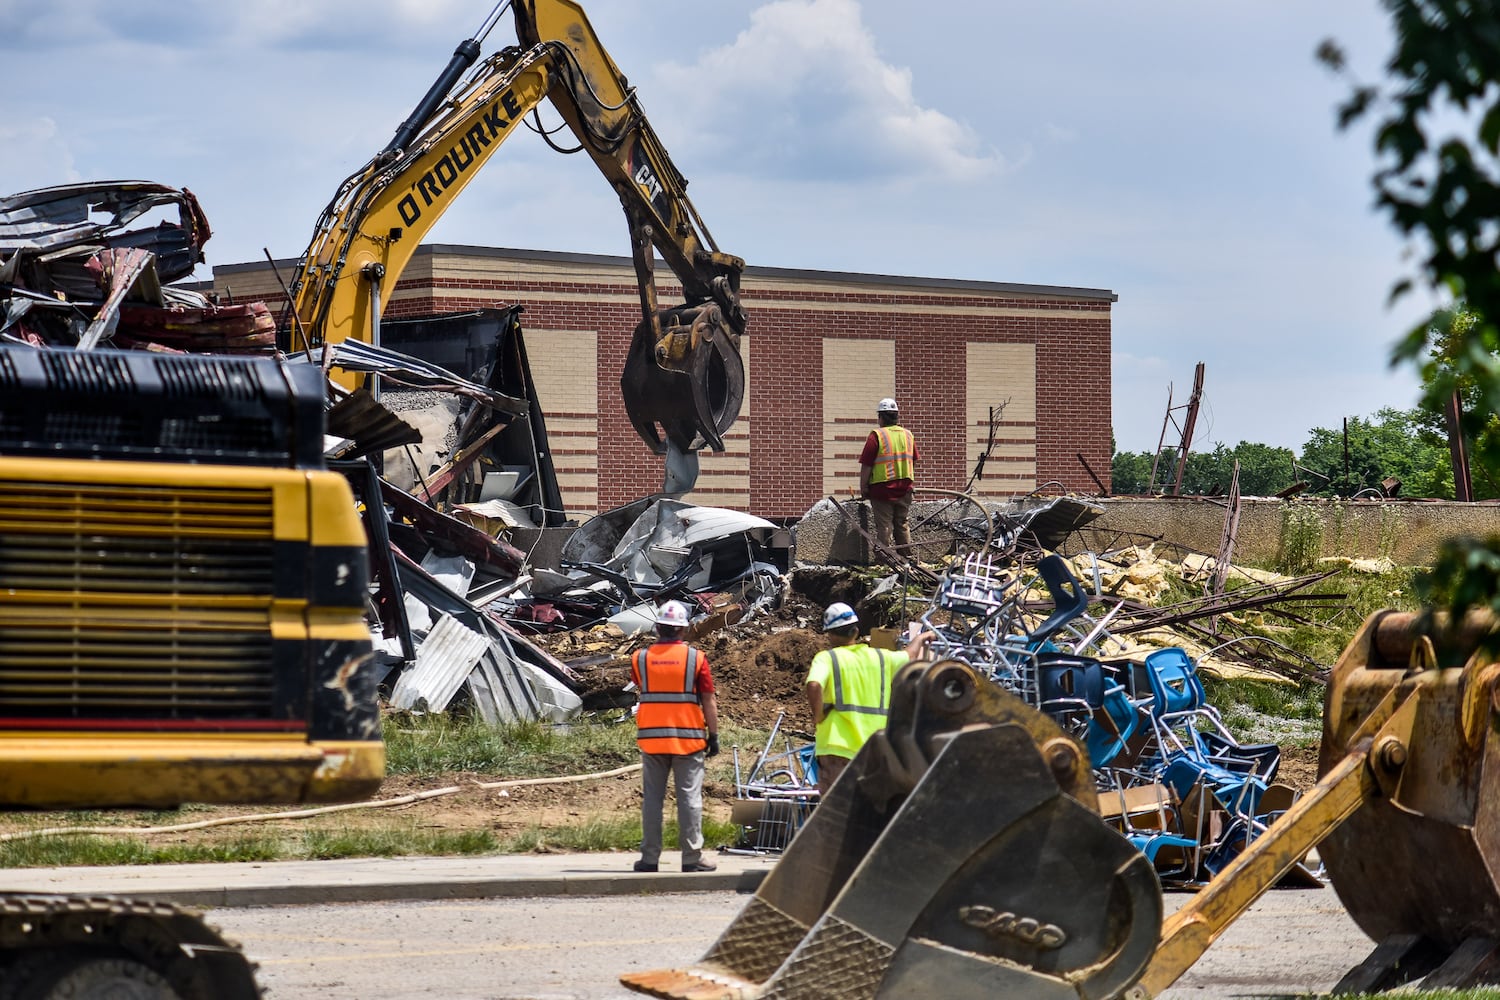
[822,347]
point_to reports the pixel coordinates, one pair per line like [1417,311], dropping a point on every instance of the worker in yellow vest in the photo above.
[849,690]
[677,725]
[887,473]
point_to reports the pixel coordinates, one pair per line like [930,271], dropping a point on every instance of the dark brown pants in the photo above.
[829,769]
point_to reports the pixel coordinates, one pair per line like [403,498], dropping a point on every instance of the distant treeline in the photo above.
[1404,445]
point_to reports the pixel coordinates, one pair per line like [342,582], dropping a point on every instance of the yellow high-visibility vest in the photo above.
[895,458]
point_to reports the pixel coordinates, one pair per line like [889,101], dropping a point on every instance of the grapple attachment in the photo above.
[959,856]
[683,388]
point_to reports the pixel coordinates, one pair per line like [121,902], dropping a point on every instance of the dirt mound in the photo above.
[820,586]
[760,678]
[759,665]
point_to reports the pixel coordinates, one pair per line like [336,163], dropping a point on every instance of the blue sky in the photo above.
[1181,154]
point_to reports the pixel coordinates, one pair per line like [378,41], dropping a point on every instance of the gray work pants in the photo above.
[687,774]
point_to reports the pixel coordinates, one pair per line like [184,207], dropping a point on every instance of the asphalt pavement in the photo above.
[355,880]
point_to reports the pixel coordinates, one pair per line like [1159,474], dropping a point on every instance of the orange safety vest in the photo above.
[669,719]
[895,458]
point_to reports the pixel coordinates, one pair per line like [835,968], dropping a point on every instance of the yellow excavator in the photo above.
[684,380]
[183,584]
[962,855]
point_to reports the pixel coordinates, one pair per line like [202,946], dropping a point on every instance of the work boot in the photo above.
[700,866]
[642,866]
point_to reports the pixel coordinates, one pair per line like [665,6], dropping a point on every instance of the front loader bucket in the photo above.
[1420,862]
[686,386]
[959,857]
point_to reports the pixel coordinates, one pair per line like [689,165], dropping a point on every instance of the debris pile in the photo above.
[448,467]
[74,274]
[1124,681]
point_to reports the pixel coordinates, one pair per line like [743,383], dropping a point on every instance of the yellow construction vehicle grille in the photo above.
[125,600]
[161,672]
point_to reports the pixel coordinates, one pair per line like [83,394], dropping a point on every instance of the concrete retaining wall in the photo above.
[1406,531]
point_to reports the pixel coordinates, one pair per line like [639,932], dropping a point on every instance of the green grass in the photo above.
[429,746]
[609,834]
[1478,993]
[328,842]
[1325,638]
[58,851]
[314,843]
[1260,712]
[434,744]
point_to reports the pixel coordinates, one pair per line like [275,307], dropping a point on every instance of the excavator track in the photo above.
[108,946]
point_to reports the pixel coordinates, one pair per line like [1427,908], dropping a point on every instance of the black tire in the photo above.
[79,978]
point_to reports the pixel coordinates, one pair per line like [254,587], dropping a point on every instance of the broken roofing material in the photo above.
[460,647]
[658,548]
[74,274]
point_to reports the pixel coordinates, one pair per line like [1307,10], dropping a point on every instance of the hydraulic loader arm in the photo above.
[684,371]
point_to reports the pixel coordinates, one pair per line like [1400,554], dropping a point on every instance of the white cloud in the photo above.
[33,154]
[804,92]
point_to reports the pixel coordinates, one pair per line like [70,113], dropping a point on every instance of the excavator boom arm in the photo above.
[683,382]
[368,234]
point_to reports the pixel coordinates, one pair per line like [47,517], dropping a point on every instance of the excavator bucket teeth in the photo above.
[960,856]
[684,373]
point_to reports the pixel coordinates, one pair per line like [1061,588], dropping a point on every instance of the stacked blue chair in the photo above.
[1112,726]
[1185,723]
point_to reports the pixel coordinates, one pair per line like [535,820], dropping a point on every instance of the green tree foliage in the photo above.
[1437,139]
[1130,472]
[1392,443]
[1264,470]
[1440,369]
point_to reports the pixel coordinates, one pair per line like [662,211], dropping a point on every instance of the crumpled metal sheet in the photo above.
[122,272]
[360,418]
[1046,522]
[444,661]
[647,541]
[99,212]
[357,356]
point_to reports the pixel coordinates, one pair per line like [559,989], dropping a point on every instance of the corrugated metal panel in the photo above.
[444,660]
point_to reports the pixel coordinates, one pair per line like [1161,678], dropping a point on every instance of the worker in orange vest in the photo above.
[677,725]
[887,473]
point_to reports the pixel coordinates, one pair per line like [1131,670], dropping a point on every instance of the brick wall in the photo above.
[822,348]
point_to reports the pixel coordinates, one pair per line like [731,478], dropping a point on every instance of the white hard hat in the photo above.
[839,615]
[887,405]
[672,613]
